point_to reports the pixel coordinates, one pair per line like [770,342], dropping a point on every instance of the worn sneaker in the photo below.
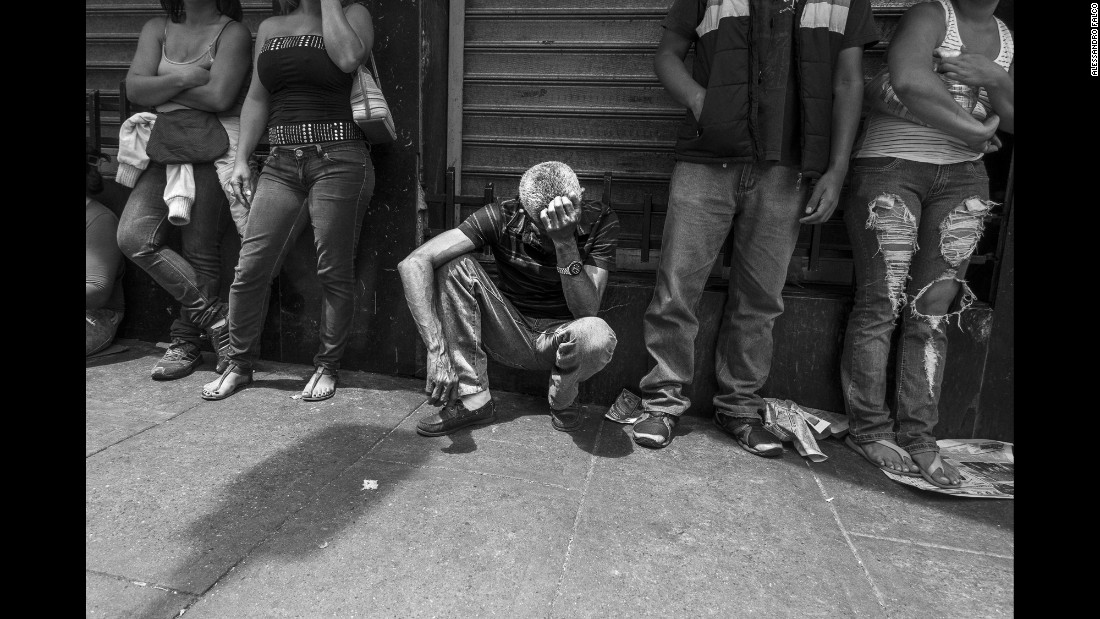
[654,430]
[456,416]
[750,434]
[568,419]
[179,360]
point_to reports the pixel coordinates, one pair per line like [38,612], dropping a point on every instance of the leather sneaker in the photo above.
[454,417]
[654,430]
[750,434]
[179,360]
[568,419]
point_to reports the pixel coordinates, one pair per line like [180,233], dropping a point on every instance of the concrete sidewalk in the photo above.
[262,505]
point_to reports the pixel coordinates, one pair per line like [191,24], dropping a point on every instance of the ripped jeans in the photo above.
[913,227]
[477,319]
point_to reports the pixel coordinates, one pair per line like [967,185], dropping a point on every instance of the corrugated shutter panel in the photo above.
[111,34]
[565,80]
[572,80]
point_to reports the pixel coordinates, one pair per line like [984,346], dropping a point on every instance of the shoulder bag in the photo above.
[369,107]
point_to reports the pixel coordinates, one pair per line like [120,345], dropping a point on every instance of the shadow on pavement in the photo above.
[254,512]
[462,442]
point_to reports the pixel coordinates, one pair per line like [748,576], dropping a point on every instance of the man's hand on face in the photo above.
[560,218]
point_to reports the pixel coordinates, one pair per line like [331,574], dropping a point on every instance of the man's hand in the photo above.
[697,103]
[561,217]
[442,381]
[974,70]
[824,197]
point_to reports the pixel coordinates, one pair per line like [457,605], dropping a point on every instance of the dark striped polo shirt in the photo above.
[525,256]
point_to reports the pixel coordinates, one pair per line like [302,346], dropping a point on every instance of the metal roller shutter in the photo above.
[572,80]
[111,30]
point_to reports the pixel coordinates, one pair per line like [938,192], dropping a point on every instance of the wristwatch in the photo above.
[573,268]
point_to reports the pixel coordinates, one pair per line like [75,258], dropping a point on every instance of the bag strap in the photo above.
[377,80]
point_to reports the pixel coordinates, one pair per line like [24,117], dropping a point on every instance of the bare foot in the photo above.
[224,385]
[886,457]
[319,386]
[937,468]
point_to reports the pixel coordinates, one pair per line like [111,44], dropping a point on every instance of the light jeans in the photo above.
[763,203]
[478,320]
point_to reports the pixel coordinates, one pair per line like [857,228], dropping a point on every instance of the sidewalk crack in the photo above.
[576,520]
[142,583]
[156,424]
[843,531]
[895,540]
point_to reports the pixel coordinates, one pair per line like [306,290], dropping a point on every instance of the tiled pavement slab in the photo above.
[703,528]
[117,598]
[871,504]
[521,443]
[122,400]
[264,495]
[124,380]
[425,543]
[182,502]
[920,581]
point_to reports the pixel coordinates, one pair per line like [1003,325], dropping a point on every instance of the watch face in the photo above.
[574,268]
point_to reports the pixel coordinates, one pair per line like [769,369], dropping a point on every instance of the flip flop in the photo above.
[241,385]
[321,371]
[937,463]
[856,447]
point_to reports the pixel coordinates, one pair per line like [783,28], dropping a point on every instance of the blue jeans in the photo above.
[100,326]
[913,227]
[193,275]
[328,185]
[477,319]
[763,203]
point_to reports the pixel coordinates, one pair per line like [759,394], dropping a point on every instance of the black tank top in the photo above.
[304,84]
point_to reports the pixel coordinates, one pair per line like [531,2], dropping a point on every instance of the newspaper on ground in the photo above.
[626,408]
[787,420]
[987,468]
[986,465]
[803,426]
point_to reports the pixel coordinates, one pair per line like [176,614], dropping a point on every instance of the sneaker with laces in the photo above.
[750,434]
[179,360]
[654,430]
[455,416]
[568,419]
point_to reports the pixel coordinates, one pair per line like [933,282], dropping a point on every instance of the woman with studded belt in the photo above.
[319,173]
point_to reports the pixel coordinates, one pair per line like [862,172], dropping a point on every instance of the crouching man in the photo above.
[553,253]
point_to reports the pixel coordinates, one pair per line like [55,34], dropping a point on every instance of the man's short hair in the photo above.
[545,181]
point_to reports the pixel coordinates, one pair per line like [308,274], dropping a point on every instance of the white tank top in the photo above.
[890,136]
